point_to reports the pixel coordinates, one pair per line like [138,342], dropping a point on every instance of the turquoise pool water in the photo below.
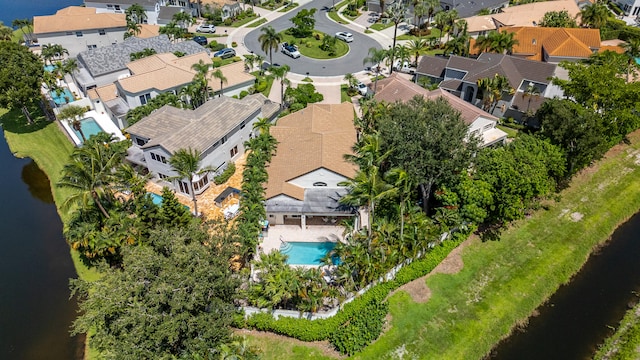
[49,68]
[62,98]
[306,253]
[157,199]
[89,127]
[637,61]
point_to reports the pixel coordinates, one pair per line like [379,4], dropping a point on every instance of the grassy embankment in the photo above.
[504,281]
[624,344]
[45,143]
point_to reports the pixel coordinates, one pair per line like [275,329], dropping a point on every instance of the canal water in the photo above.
[35,267]
[581,314]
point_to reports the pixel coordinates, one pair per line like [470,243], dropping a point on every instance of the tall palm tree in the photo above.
[281,73]
[220,76]
[262,125]
[417,47]
[351,80]
[186,162]
[433,6]
[6,33]
[441,19]
[52,52]
[22,24]
[172,30]
[376,57]
[493,90]
[632,51]
[183,19]
[135,13]
[404,185]
[73,113]
[133,29]
[269,41]
[595,15]
[201,77]
[249,62]
[396,13]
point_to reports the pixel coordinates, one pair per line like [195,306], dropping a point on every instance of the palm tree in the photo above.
[6,33]
[91,173]
[531,91]
[172,30]
[220,76]
[269,41]
[404,186]
[262,125]
[183,19]
[73,113]
[133,29]
[351,80]
[459,45]
[497,42]
[493,89]
[433,6]
[249,62]
[259,60]
[396,13]
[186,162]
[632,51]
[281,73]
[376,56]
[135,13]
[201,77]
[52,52]
[22,24]
[441,19]
[452,16]
[595,15]
[417,47]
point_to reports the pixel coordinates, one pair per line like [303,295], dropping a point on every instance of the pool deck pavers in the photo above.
[294,233]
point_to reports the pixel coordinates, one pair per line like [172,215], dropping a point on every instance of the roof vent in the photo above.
[533,41]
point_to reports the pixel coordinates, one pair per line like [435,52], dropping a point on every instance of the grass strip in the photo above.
[504,281]
[310,46]
[257,23]
[624,344]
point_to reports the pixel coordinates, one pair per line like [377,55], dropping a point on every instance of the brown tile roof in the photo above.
[200,129]
[562,42]
[395,88]
[166,71]
[313,138]
[148,31]
[106,92]
[614,48]
[76,18]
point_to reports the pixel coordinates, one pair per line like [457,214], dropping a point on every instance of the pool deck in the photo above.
[294,233]
[102,119]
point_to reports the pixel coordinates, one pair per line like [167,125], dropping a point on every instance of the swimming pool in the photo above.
[49,68]
[157,199]
[62,98]
[306,253]
[89,127]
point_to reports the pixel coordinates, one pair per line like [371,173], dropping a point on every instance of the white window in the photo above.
[144,99]
[234,151]
[69,33]
[109,6]
[140,141]
[91,47]
[78,33]
[117,7]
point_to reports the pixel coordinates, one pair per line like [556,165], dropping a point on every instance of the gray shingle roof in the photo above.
[114,58]
[167,12]
[432,65]
[199,129]
[316,201]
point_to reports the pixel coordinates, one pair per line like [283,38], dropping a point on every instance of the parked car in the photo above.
[200,40]
[405,67]
[266,65]
[206,28]
[344,36]
[290,50]
[362,89]
[225,53]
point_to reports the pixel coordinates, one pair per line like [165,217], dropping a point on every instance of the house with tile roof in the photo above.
[228,8]
[554,44]
[459,76]
[79,29]
[218,130]
[161,73]
[630,7]
[481,124]
[159,12]
[304,175]
[105,65]
[528,15]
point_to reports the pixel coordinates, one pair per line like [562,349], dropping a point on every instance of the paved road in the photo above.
[350,63]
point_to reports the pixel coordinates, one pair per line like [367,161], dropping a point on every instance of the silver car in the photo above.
[344,36]
[206,28]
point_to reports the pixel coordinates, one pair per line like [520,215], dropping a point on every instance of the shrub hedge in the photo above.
[226,174]
[360,315]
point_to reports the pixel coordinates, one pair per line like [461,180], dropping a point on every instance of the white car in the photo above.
[344,36]
[362,89]
[206,28]
[290,50]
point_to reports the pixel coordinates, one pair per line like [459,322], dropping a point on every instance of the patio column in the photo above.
[303,221]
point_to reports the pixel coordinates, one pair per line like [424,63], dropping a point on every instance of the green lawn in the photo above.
[277,347]
[381,26]
[333,15]
[511,133]
[289,7]
[435,33]
[625,342]
[257,23]
[504,281]
[247,19]
[310,46]
[344,96]
[45,143]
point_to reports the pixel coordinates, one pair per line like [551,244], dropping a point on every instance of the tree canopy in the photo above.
[427,139]
[171,299]
[558,19]
[21,75]
[304,22]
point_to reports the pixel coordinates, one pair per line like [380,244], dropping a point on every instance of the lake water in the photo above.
[581,314]
[26,9]
[35,267]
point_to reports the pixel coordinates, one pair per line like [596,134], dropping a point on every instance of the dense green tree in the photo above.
[499,42]
[577,130]
[632,51]
[595,15]
[21,76]
[172,212]
[170,300]
[525,170]
[269,41]
[6,33]
[428,140]
[172,30]
[304,22]
[558,19]
[302,95]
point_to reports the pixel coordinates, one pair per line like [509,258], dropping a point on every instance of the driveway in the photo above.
[349,63]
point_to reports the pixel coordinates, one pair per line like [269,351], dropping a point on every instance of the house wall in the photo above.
[481,125]
[76,44]
[151,11]
[320,175]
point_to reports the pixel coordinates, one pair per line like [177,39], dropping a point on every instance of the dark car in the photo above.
[225,53]
[200,40]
